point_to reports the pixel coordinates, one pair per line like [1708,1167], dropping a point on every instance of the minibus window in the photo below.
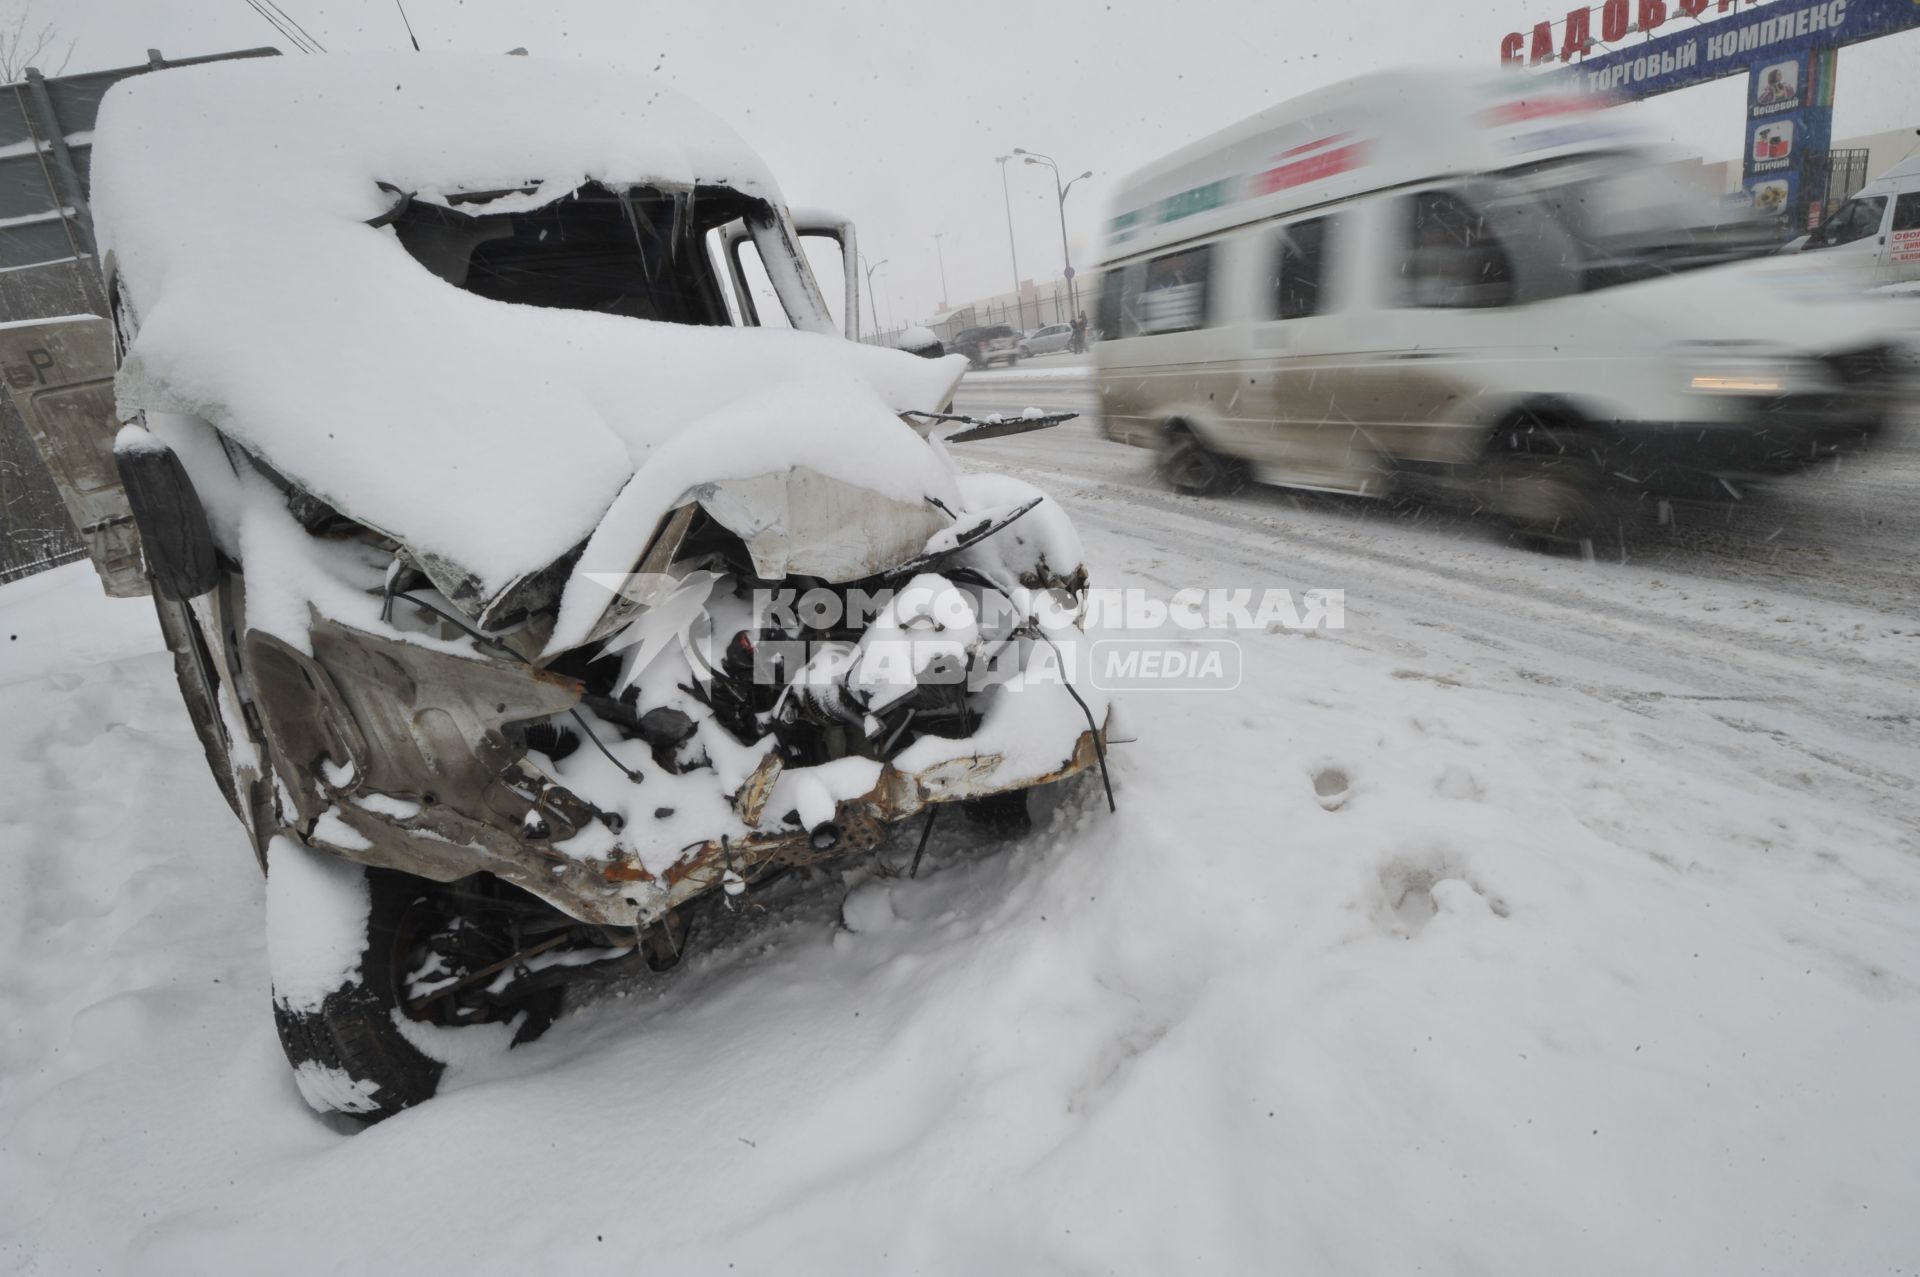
[1302,265]
[1173,298]
[1857,219]
[1454,259]
[1906,212]
[1108,318]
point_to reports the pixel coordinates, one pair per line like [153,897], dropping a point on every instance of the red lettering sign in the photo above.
[1542,50]
[1577,39]
[1313,168]
[1613,21]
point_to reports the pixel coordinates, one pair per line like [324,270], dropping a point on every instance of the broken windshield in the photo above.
[636,252]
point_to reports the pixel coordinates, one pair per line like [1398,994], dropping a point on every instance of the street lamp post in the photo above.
[1060,193]
[943,268]
[870,301]
[1012,252]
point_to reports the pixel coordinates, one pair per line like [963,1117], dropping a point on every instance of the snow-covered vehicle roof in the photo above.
[239,208]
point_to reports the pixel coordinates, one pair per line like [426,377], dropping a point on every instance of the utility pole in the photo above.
[1012,252]
[870,301]
[1060,193]
[943,268]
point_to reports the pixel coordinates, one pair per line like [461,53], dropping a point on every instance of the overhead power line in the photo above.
[286,33]
[295,24]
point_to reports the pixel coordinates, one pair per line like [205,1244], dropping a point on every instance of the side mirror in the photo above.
[174,533]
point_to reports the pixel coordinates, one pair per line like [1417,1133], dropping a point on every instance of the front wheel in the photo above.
[357,953]
[1545,501]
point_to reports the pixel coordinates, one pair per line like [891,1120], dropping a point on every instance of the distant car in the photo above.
[1050,340]
[982,346]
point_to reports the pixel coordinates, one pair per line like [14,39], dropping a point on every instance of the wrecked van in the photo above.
[540,563]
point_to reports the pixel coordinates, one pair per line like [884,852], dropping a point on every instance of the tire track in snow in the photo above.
[1813,712]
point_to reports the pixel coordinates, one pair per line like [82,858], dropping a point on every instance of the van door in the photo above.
[1300,427]
[1172,359]
[1857,228]
[1902,258]
[770,280]
[1441,284]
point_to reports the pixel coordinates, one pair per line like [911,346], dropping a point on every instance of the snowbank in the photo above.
[1410,955]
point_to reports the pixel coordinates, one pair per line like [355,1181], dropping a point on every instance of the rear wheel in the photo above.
[1192,467]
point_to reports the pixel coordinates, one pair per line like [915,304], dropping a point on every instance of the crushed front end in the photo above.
[733,710]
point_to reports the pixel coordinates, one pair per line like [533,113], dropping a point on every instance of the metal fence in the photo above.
[35,532]
[48,268]
[1846,173]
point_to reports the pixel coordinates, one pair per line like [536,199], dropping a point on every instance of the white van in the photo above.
[1479,286]
[1879,225]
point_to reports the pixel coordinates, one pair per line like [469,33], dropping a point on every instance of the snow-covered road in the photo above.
[1550,917]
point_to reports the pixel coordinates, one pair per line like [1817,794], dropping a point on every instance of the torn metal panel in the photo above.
[60,374]
[802,523]
[617,890]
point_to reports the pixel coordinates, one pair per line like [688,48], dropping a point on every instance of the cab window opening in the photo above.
[1453,257]
[1173,292]
[1906,212]
[1299,274]
[622,252]
[1857,219]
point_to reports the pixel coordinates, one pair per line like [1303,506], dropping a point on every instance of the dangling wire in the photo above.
[926,832]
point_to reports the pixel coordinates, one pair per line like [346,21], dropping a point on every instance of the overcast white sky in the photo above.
[893,110]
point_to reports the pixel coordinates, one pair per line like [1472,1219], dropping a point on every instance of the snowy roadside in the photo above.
[1417,951]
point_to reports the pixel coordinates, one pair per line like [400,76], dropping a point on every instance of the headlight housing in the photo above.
[1713,370]
[1738,383]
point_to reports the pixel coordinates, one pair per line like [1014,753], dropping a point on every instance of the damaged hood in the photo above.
[483,435]
[814,475]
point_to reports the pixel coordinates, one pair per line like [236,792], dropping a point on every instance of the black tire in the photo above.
[350,1054]
[1544,482]
[367,1067]
[1193,468]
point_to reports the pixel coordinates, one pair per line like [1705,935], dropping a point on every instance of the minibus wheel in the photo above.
[1193,468]
[1546,490]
